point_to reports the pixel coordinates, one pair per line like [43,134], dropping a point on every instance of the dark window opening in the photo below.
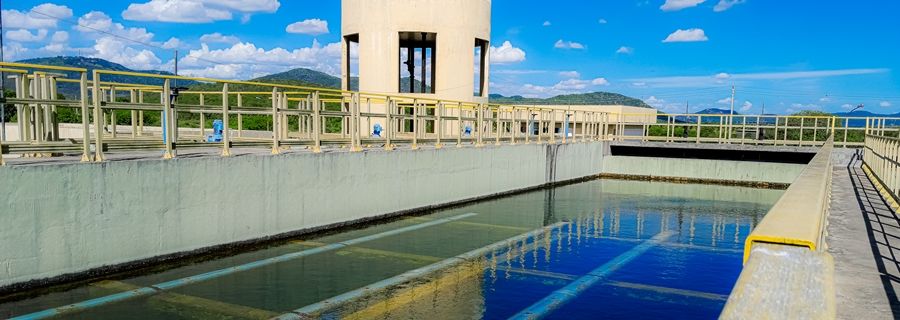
[417,62]
[481,52]
[351,80]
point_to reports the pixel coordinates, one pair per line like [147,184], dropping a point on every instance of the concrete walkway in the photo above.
[864,238]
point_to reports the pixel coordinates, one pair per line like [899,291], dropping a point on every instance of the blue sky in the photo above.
[787,55]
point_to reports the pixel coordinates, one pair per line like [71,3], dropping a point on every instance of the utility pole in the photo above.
[2,83]
[731,114]
[175,81]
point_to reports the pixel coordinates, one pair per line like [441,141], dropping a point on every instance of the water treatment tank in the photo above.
[430,48]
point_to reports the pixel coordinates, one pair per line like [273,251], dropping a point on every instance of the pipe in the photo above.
[146,291]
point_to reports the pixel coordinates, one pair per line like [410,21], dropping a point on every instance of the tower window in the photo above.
[481,51]
[417,62]
[351,81]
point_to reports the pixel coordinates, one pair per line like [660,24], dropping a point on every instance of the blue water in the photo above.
[687,276]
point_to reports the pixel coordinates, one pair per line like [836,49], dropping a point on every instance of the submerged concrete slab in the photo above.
[863,236]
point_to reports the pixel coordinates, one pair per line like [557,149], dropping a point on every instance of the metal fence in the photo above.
[63,111]
[880,159]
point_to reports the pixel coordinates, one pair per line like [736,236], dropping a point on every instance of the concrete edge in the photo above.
[722,182]
[63,282]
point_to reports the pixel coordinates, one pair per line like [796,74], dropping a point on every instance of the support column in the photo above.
[98,119]
[317,123]
[226,135]
[166,98]
[85,124]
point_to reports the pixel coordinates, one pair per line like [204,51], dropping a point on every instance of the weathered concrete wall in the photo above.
[64,219]
[719,170]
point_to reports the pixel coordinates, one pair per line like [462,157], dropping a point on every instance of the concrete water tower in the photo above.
[403,44]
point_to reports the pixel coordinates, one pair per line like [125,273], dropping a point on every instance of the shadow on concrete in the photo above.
[883,228]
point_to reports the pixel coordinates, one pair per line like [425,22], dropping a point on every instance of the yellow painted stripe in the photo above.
[187,302]
[379,309]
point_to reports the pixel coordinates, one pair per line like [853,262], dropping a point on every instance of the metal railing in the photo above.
[141,111]
[776,130]
[881,161]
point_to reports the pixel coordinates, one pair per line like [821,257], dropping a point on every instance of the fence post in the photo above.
[355,143]
[439,124]
[459,124]
[98,120]
[226,136]
[415,125]
[388,123]
[132,98]
[167,120]
[85,118]
[498,123]
[479,125]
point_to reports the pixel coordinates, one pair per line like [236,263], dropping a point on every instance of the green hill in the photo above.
[593,98]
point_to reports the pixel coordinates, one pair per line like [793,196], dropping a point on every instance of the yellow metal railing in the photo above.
[880,162]
[129,114]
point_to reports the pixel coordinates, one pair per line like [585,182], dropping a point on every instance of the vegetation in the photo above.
[593,98]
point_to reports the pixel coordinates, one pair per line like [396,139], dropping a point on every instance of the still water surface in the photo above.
[662,250]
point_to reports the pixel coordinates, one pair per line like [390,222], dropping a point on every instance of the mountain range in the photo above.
[307,77]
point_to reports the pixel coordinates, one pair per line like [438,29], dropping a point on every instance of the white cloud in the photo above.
[568,86]
[172,43]
[561,44]
[516,72]
[95,21]
[175,11]
[747,106]
[23,35]
[114,50]
[602,21]
[655,102]
[726,4]
[600,82]
[797,107]
[245,60]
[506,53]
[570,74]
[546,24]
[312,27]
[219,38]
[196,11]
[847,106]
[885,104]
[625,50]
[825,99]
[689,35]
[724,101]
[713,80]
[60,36]
[675,5]
[639,84]
[42,16]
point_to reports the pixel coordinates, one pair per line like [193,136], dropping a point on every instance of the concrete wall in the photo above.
[721,170]
[64,219]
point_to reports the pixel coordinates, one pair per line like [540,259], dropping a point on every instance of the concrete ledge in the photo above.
[783,282]
[799,217]
[701,170]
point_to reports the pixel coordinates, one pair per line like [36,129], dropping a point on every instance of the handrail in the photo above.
[310,117]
